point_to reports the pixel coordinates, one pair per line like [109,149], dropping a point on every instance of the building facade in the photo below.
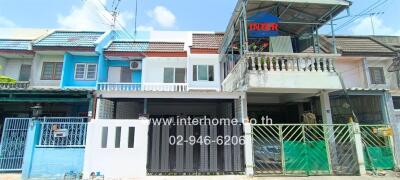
[285,101]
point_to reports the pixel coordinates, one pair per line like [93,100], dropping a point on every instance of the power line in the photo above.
[365,11]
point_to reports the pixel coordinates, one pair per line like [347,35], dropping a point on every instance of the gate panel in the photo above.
[378,151]
[300,149]
[13,143]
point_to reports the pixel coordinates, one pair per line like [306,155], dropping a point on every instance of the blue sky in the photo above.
[194,15]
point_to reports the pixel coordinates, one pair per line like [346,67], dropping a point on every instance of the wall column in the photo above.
[359,148]
[248,141]
[32,138]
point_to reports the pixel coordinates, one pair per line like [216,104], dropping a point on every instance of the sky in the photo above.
[185,15]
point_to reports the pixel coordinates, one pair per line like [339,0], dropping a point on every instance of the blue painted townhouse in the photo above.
[55,77]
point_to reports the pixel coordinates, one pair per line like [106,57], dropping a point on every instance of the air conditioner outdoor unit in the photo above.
[135,65]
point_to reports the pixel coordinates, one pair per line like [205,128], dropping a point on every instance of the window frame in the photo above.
[196,79]
[21,72]
[174,74]
[53,73]
[372,76]
[85,72]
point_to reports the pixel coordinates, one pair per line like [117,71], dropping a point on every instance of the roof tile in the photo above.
[207,41]
[70,39]
[8,44]
[142,46]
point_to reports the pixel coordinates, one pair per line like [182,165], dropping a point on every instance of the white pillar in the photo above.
[248,144]
[359,148]
[326,111]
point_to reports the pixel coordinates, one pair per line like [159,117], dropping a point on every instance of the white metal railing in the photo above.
[277,62]
[16,85]
[71,130]
[170,87]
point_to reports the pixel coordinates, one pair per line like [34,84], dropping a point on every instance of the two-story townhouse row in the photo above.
[46,90]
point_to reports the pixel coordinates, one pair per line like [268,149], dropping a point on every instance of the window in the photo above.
[203,73]
[174,75]
[396,102]
[131,137]
[104,136]
[85,71]
[126,75]
[25,72]
[377,75]
[52,70]
[118,137]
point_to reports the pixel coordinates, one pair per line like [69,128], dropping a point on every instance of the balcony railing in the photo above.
[169,87]
[16,85]
[277,63]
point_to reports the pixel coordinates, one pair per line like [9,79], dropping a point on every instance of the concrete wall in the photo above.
[11,67]
[153,68]
[48,162]
[68,76]
[352,71]
[55,162]
[37,70]
[204,59]
[390,77]
[114,162]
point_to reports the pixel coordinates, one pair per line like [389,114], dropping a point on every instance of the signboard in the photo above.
[262,25]
[61,133]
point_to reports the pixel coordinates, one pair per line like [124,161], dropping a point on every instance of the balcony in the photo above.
[161,87]
[16,85]
[283,72]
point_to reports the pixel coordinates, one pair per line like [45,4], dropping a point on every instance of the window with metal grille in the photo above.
[51,70]
[377,75]
[25,72]
[84,71]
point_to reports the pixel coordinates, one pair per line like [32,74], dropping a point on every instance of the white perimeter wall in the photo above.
[153,68]
[204,59]
[37,70]
[116,163]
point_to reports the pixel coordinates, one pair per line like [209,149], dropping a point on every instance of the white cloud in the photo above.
[163,16]
[92,15]
[364,27]
[145,28]
[7,23]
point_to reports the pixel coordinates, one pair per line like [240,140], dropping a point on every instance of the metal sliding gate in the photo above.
[301,149]
[13,143]
[378,147]
[185,157]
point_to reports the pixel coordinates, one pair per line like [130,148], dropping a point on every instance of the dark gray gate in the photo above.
[13,143]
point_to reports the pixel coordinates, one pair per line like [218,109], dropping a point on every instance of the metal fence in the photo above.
[13,143]
[304,149]
[378,146]
[63,132]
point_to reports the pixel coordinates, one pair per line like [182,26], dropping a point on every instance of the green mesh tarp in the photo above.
[380,157]
[310,157]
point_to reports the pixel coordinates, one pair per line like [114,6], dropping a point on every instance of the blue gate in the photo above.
[13,143]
